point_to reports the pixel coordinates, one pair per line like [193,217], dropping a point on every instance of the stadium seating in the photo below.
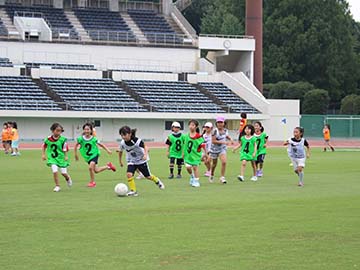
[173,97]
[3,30]
[21,93]
[102,24]
[5,62]
[93,95]
[57,19]
[154,26]
[228,98]
[60,66]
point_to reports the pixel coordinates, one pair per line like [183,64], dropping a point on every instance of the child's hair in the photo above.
[301,130]
[261,126]
[5,124]
[127,130]
[243,115]
[196,123]
[14,125]
[55,126]
[327,126]
[251,127]
[89,125]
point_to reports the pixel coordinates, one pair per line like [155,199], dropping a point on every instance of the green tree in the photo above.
[350,104]
[316,102]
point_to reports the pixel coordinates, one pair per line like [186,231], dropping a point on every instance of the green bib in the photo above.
[247,148]
[177,146]
[88,148]
[260,141]
[54,152]
[191,154]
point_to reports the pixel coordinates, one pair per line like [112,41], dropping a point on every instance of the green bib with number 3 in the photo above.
[55,153]
[88,147]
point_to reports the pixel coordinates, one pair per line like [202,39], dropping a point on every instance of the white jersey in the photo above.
[134,151]
[219,148]
[296,148]
[208,141]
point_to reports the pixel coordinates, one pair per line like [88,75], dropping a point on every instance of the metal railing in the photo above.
[112,36]
[125,5]
[227,36]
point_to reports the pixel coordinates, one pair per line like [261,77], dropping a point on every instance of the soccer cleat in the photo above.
[111,166]
[69,183]
[132,194]
[91,184]
[222,180]
[301,184]
[211,179]
[160,185]
[241,178]
[260,173]
[254,178]
[171,176]
[179,176]
[195,183]
[208,173]
[56,189]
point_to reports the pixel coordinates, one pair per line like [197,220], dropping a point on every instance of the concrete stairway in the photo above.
[174,25]
[134,28]
[78,26]
[13,32]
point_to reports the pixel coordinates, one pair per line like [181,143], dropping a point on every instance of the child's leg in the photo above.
[54,170]
[179,163]
[207,163]
[243,166]
[223,164]
[213,165]
[300,171]
[171,166]
[253,165]
[131,180]
[331,147]
[189,170]
[144,168]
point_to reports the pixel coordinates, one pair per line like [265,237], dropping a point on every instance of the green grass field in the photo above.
[271,224]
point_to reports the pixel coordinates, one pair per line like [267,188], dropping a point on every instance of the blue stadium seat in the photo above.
[3,30]
[60,66]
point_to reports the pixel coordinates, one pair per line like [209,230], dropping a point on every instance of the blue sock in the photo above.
[301,177]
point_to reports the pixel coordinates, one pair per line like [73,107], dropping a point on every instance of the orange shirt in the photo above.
[243,123]
[6,134]
[326,133]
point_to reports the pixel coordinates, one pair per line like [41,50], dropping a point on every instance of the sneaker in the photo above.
[211,179]
[179,176]
[254,178]
[301,184]
[208,173]
[57,189]
[195,183]
[191,180]
[91,184]
[222,180]
[260,173]
[171,176]
[111,166]
[13,154]
[132,194]
[18,154]
[160,185]
[241,178]
[69,183]
[140,176]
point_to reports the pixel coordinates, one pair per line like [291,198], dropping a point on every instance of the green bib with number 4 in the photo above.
[88,147]
[247,148]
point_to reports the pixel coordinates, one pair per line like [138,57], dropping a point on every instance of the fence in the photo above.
[342,126]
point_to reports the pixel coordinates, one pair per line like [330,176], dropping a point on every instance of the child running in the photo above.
[136,157]
[326,133]
[6,138]
[207,135]
[15,140]
[90,152]
[55,151]
[175,142]
[261,141]
[218,148]
[247,152]
[299,150]
[243,123]
[194,142]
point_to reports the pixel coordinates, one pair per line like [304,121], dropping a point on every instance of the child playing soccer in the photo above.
[175,142]
[218,148]
[54,150]
[326,133]
[207,131]
[261,141]
[299,150]
[194,142]
[136,157]
[247,152]
[90,152]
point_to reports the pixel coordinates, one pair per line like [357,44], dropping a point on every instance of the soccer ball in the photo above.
[121,189]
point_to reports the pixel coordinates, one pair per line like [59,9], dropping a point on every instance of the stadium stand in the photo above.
[226,97]
[21,93]
[3,30]
[154,26]
[103,24]
[57,19]
[5,62]
[173,97]
[60,66]
[93,95]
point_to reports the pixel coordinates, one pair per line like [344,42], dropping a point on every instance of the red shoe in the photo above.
[91,184]
[111,166]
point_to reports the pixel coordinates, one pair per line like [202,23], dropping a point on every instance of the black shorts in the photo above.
[143,168]
[179,161]
[260,159]
[94,159]
[7,142]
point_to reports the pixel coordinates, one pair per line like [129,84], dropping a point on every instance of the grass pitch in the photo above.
[271,224]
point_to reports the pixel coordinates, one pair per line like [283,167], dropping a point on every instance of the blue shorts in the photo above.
[15,144]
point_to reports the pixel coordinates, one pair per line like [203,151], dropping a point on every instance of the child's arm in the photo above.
[75,151]
[266,141]
[215,141]
[237,147]
[255,149]
[43,156]
[120,158]
[230,139]
[103,146]
[65,150]
[146,150]
[307,149]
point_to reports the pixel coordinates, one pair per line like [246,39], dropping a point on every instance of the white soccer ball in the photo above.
[121,189]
